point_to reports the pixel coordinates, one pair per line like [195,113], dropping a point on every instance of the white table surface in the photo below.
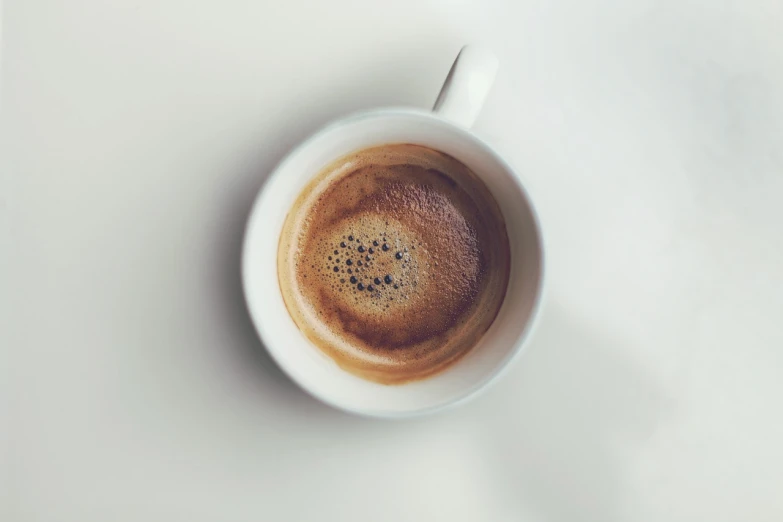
[136,133]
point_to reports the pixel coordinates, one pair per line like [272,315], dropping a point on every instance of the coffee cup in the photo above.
[445,129]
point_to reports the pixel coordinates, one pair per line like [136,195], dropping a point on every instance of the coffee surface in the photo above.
[394,261]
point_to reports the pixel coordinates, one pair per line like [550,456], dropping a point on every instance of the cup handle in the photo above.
[466,87]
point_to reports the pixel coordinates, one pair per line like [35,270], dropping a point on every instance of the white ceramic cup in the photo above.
[444,129]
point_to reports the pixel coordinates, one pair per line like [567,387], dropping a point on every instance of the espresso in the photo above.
[394,261]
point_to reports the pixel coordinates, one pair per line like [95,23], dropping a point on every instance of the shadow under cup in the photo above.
[313,370]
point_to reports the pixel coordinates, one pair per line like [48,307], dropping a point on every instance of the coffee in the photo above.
[394,261]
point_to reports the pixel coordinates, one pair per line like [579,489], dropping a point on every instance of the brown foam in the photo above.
[450,281]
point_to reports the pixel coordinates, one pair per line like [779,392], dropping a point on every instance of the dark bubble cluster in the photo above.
[366,280]
[377,271]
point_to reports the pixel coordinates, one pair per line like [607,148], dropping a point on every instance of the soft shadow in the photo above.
[570,410]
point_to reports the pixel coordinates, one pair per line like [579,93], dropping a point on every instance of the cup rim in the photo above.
[470,392]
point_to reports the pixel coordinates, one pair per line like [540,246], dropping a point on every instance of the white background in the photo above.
[136,133]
